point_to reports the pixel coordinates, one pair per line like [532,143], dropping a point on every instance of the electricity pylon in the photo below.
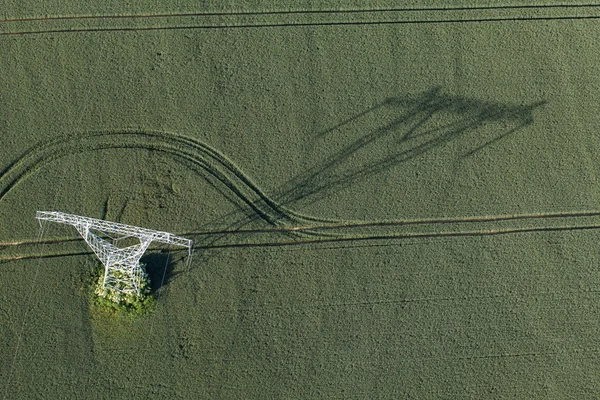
[122,270]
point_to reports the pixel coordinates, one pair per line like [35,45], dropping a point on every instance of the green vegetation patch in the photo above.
[116,302]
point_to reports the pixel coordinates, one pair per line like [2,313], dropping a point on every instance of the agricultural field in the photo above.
[386,200]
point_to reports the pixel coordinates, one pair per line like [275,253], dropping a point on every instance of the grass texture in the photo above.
[385,203]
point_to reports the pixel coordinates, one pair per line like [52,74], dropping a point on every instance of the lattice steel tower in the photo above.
[122,270]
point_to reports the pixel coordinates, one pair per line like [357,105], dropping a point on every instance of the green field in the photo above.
[386,201]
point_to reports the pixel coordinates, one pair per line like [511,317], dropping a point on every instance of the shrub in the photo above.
[116,302]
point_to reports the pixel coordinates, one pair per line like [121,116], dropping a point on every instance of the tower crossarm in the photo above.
[122,269]
[106,250]
[114,227]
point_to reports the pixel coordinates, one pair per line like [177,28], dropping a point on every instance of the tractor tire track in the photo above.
[305,229]
[297,18]
[303,12]
[343,239]
[184,148]
[357,225]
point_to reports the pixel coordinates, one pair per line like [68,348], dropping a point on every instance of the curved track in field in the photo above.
[184,148]
[279,218]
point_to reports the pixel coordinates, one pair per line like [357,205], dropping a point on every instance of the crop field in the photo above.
[386,200]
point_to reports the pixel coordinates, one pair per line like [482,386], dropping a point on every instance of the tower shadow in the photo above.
[410,127]
[160,268]
[380,138]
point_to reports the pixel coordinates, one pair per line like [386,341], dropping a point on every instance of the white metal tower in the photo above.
[122,270]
